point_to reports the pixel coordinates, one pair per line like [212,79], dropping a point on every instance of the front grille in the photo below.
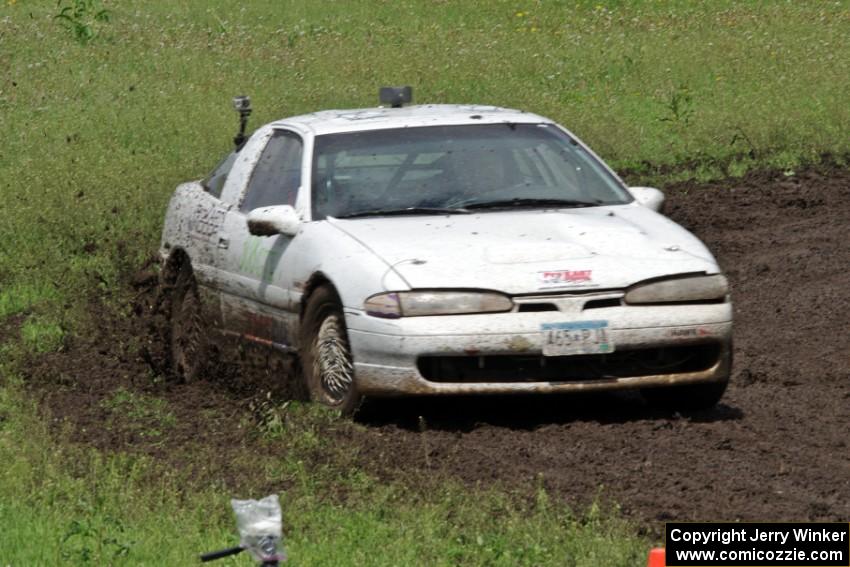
[571,302]
[602,303]
[536,307]
[538,368]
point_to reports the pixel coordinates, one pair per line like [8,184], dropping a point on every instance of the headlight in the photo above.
[417,303]
[701,288]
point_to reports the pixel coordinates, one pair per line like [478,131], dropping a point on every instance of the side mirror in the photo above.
[268,221]
[649,197]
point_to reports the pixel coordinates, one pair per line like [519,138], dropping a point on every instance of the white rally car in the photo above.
[443,249]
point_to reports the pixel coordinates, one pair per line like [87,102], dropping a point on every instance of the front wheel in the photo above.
[688,397]
[326,355]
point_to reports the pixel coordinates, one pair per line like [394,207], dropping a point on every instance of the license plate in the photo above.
[578,337]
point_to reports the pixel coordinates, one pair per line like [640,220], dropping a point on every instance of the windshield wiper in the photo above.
[404,211]
[526,202]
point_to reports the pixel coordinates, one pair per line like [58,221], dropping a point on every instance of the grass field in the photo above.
[62,504]
[101,121]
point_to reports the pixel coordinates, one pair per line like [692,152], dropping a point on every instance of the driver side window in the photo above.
[277,176]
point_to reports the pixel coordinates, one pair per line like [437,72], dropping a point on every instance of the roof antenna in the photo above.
[396,97]
[242,104]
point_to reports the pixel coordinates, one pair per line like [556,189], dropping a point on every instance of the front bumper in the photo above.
[388,354]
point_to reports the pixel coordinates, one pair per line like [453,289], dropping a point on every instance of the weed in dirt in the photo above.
[23,296]
[300,422]
[40,335]
[145,415]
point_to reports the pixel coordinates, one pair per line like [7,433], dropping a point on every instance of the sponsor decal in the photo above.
[561,278]
[260,261]
[690,332]
[206,221]
[683,333]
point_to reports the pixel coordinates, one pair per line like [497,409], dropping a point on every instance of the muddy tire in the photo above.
[326,360]
[187,336]
[691,397]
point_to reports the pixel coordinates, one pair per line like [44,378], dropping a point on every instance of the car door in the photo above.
[257,299]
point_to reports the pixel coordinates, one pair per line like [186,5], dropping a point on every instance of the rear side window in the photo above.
[277,176]
[214,182]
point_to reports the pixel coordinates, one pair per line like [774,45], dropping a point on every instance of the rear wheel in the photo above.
[326,355]
[687,397]
[188,340]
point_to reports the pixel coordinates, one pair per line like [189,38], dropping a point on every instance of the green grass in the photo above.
[22,296]
[98,132]
[66,505]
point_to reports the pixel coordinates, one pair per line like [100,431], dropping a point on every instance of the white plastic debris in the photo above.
[260,527]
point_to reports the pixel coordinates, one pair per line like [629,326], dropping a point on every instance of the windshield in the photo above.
[447,168]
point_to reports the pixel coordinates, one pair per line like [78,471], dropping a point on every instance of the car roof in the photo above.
[338,121]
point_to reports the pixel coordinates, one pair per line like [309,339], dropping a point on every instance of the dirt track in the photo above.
[775,449]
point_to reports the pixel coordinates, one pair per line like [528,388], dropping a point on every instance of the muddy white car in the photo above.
[443,249]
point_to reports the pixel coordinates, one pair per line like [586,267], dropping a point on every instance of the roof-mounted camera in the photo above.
[396,97]
[242,104]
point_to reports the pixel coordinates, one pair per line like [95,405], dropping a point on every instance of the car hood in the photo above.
[519,252]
